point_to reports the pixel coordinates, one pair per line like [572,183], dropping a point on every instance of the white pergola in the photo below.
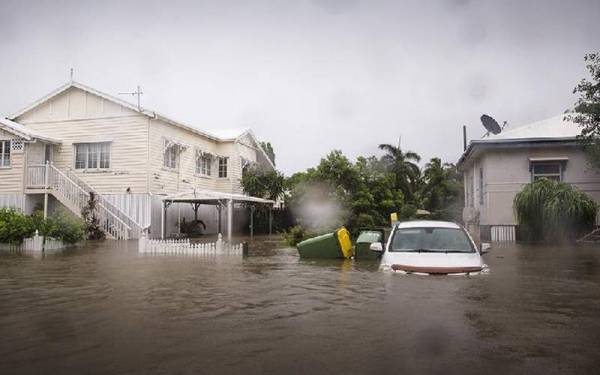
[196,196]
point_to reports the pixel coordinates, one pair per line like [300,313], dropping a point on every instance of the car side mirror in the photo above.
[485,247]
[376,246]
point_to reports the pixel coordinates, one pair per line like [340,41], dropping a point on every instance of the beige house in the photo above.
[78,140]
[496,168]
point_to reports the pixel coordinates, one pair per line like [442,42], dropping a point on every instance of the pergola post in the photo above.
[163,219]
[252,208]
[163,216]
[219,210]
[229,219]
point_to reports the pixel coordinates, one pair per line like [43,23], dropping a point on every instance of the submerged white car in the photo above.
[431,247]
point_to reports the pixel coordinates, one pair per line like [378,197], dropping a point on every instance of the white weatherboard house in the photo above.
[78,140]
[497,167]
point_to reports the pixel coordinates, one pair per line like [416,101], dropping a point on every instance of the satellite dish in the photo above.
[490,124]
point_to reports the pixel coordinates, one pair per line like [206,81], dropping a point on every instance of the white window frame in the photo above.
[550,176]
[203,164]
[171,155]
[5,144]
[223,167]
[97,153]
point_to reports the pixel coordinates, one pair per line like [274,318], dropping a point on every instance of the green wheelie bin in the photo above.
[329,246]
[364,240]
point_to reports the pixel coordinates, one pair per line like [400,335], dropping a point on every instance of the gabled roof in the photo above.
[24,132]
[143,111]
[547,132]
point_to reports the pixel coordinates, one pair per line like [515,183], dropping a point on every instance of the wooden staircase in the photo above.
[75,194]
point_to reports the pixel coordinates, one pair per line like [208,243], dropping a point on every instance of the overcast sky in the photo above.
[310,76]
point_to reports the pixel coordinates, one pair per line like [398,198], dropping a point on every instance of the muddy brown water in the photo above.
[105,309]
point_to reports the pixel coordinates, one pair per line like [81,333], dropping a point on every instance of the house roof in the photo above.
[230,134]
[220,135]
[554,127]
[24,132]
[554,130]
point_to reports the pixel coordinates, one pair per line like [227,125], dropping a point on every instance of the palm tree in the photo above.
[436,185]
[404,168]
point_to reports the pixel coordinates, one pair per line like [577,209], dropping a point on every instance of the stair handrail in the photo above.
[103,210]
[112,207]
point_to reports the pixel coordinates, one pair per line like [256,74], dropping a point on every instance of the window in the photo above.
[171,156]
[92,155]
[203,164]
[480,186]
[431,240]
[223,167]
[4,154]
[549,170]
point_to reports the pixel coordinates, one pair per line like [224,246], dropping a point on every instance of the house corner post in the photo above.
[229,219]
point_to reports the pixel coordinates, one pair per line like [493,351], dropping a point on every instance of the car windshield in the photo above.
[437,240]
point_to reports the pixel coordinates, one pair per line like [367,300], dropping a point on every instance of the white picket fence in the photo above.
[503,233]
[185,247]
[35,243]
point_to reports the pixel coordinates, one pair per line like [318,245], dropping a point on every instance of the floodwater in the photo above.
[105,309]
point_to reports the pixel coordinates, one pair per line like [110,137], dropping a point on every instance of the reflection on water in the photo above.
[106,309]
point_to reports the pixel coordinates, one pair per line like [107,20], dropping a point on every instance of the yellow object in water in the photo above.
[345,242]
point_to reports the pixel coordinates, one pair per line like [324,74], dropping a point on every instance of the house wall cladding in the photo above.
[14,200]
[506,171]
[76,116]
[11,178]
[165,180]
[136,206]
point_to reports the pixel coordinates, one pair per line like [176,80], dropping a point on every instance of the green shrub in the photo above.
[14,226]
[551,210]
[294,235]
[63,227]
[297,234]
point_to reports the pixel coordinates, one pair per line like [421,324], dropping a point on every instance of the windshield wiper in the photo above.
[426,251]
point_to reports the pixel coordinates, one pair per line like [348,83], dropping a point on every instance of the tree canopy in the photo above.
[587,109]
[268,148]
[362,193]
[552,210]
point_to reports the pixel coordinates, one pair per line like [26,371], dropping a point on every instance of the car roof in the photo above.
[427,224]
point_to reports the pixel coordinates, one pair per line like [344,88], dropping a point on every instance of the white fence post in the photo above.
[142,242]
